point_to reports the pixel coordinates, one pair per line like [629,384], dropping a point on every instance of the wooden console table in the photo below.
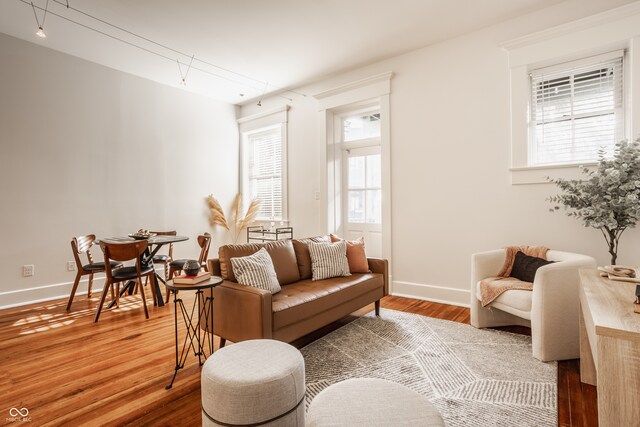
[610,347]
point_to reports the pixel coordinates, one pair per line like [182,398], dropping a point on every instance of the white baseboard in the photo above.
[440,294]
[48,292]
[55,291]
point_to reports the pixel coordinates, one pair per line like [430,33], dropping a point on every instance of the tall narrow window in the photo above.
[576,110]
[263,164]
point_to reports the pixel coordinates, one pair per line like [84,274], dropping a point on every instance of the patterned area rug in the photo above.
[475,377]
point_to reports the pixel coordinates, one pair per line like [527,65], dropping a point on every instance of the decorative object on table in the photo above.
[609,198]
[191,267]
[198,322]
[80,245]
[142,234]
[184,279]
[176,266]
[254,383]
[620,273]
[636,303]
[260,234]
[241,220]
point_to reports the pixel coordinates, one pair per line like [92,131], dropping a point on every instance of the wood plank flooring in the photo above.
[69,371]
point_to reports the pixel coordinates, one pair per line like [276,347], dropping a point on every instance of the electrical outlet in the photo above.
[71,266]
[317,195]
[28,270]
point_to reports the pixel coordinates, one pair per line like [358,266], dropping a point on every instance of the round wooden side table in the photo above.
[202,309]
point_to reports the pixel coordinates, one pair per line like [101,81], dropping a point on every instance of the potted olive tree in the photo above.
[609,197]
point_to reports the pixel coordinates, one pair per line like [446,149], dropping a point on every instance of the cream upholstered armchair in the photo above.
[551,310]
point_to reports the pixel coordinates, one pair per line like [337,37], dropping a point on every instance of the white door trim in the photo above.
[375,90]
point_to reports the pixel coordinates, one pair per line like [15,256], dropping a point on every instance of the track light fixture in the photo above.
[263,92]
[244,81]
[183,77]
[40,33]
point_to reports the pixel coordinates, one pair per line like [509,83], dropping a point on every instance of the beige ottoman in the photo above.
[371,402]
[257,382]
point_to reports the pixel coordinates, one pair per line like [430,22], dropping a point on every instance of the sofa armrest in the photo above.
[380,266]
[241,312]
[486,264]
[214,267]
[555,308]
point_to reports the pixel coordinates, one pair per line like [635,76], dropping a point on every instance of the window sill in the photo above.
[538,174]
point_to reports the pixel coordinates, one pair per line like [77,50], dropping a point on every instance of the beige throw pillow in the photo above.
[256,270]
[328,260]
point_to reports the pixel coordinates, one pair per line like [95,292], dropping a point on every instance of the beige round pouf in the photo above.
[371,402]
[257,382]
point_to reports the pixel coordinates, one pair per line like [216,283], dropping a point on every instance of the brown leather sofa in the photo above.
[302,306]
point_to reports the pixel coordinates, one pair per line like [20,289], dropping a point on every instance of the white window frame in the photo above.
[355,144]
[258,123]
[590,36]
[568,69]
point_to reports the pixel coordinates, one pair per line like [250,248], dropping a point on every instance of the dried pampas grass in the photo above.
[240,221]
[249,216]
[216,214]
[236,209]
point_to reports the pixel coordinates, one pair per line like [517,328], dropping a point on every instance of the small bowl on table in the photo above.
[191,267]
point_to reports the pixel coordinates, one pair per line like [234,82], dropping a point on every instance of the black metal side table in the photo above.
[195,337]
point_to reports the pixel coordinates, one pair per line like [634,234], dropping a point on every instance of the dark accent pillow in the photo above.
[525,267]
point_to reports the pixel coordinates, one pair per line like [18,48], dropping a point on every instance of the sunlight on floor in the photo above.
[48,320]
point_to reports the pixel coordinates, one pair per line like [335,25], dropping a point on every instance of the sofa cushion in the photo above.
[281,252]
[303,257]
[355,254]
[328,260]
[514,301]
[306,298]
[256,270]
[226,252]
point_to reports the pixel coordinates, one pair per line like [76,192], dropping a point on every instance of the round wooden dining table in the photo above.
[155,244]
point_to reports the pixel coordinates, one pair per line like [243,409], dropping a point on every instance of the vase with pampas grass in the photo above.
[240,219]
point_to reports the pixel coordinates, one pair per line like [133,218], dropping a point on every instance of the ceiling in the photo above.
[280,42]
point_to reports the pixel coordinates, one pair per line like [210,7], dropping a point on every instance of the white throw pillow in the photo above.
[256,270]
[328,260]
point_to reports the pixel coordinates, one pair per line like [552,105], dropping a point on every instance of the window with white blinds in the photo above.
[264,176]
[576,110]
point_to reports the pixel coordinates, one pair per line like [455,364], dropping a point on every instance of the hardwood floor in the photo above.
[69,371]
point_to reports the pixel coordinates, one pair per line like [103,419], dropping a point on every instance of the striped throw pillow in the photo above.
[256,270]
[328,260]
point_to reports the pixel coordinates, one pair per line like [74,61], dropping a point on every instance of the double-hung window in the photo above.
[576,110]
[264,171]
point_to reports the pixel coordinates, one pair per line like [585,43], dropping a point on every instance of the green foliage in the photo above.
[609,198]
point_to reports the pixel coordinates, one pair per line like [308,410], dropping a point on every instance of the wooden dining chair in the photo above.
[125,252]
[82,245]
[165,259]
[175,267]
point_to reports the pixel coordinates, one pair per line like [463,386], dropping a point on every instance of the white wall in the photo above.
[450,158]
[87,149]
